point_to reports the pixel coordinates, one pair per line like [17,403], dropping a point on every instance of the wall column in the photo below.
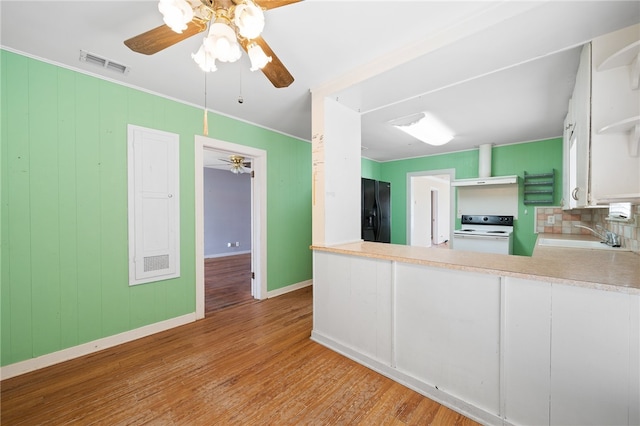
[336,172]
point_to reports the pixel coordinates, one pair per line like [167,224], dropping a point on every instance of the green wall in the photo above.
[370,169]
[533,157]
[64,266]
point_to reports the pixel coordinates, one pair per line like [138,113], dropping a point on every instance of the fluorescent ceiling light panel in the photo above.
[426,128]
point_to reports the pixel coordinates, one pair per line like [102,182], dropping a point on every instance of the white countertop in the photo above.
[609,270]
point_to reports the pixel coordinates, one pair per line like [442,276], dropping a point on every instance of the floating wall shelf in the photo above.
[627,56]
[631,126]
[538,187]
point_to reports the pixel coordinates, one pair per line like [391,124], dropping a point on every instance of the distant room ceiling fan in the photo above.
[238,164]
[232,24]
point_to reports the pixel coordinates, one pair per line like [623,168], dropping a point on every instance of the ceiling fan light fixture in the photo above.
[257,56]
[249,19]
[176,14]
[205,60]
[236,164]
[221,43]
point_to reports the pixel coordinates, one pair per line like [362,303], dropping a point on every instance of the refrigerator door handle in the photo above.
[378,222]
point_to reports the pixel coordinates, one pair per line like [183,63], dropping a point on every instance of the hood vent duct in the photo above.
[484,172]
[484,161]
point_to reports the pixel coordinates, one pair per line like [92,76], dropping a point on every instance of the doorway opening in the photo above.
[227,230]
[208,149]
[429,206]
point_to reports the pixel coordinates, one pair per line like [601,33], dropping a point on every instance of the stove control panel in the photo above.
[487,220]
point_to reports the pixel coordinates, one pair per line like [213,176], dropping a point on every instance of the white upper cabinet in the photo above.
[601,158]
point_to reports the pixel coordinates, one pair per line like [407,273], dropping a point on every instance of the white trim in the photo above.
[436,154]
[288,289]
[258,215]
[231,253]
[47,360]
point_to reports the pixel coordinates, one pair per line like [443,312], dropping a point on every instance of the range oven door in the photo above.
[483,243]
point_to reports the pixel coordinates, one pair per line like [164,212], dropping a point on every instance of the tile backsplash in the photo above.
[564,220]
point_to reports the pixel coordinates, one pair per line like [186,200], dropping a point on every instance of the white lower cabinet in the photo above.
[447,326]
[498,349]
[570,355]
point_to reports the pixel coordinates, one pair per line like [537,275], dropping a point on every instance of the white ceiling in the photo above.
[495,72]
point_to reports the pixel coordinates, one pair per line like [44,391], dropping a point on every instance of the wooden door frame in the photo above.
[258,215]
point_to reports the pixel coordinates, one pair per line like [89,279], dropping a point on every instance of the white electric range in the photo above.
[485,234]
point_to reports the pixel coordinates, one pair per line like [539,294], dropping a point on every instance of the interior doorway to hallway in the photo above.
[223,149]
[429,205]
[227,230]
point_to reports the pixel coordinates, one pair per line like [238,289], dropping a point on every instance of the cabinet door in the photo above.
[568,160]
[578,145]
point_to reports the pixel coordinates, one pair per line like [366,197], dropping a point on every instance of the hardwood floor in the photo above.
[227,282]
[250,364]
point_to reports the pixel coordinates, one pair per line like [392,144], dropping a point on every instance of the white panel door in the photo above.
[447,329]
[154,205]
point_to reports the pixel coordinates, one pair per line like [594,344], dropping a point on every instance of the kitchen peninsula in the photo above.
[548,339]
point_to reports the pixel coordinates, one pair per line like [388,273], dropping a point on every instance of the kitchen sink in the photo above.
[581,244]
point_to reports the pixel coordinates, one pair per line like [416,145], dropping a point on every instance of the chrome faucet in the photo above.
[609,238]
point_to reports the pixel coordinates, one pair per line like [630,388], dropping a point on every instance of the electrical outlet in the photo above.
[551,220]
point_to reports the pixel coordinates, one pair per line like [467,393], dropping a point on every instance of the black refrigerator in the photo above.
[376,211]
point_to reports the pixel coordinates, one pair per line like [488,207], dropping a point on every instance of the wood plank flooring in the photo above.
[251,364]
[227,282]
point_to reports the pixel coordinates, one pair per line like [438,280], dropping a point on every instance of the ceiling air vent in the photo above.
[103,62]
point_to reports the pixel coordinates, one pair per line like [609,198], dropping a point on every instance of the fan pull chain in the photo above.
[240,98]
[205,130]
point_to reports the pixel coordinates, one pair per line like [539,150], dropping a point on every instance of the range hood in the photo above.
[496,180]
[484,172]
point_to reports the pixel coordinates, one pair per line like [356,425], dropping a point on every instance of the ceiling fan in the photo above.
[238,165]
[232,24]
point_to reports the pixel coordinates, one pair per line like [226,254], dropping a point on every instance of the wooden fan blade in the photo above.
[162,37]
[272,4]
[275,70]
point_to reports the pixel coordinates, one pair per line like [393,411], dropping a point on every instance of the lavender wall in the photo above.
[227,212]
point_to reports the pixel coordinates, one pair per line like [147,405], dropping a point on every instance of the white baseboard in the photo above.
[231,253]
[289,288]
[432,392]
[47,360]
